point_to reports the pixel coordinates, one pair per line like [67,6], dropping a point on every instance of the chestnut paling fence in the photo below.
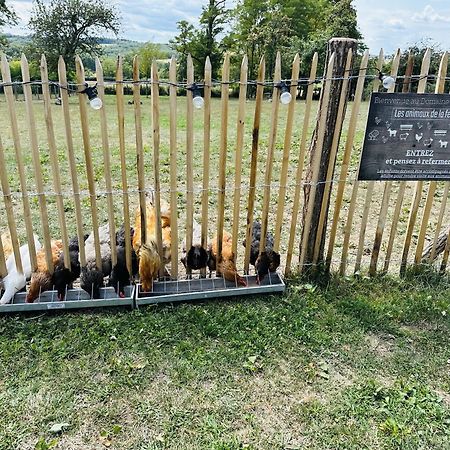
[232,162]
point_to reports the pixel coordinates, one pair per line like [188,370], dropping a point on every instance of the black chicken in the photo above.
[268,260]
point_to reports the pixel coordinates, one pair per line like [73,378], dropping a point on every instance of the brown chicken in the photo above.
[227,267]
[7,244]
[41,279]
[150,262]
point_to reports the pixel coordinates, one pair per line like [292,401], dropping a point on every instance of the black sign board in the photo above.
[407,138]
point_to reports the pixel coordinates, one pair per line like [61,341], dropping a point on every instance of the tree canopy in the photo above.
[70,27]
[7,16]
[206,41]
[257,27]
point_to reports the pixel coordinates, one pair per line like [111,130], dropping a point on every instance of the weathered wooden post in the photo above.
[335,113]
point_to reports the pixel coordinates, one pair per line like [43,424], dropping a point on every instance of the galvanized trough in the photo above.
[206,288]
[75,298]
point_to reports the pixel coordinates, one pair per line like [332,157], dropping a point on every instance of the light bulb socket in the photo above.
[92,94]
[90,91]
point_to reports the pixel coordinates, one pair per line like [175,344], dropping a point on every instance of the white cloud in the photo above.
[390,24]
[430,15]
[396,24]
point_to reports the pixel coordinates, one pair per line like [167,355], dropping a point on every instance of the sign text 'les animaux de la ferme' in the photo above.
[407,138]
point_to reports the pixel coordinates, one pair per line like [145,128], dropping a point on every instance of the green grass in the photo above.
[354,364]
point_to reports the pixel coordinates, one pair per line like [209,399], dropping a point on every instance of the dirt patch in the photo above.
[444,395]
[382,345]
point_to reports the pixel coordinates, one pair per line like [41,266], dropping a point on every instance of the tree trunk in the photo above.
[341,47]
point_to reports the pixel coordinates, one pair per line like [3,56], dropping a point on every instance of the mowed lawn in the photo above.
[354,364]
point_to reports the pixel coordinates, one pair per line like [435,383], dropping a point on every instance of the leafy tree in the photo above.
[261,28]
[417,51]
[70,27]
[203,42]
[337,19]
[147,54]
[213,19]
[183,44]
[7,16]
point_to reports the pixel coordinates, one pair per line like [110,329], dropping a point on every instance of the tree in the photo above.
[339,20]
[7,16]
[203,42]
[261,28]
[212,21]
[182,43]
[70,27]
[147,53]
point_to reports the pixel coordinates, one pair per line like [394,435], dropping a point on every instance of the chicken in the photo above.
[6,244]
[120,277]
[268,260]
[227,267]
[197,257]
[41,279]
[91,279]
[15,281]
[63,278]
[150,262]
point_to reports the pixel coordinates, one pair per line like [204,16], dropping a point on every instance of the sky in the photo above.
[384,23]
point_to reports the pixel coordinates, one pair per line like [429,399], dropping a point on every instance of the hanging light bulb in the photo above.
[387,81]
[94,100]
[285,97]
[197,98]
[96,103]
[198,101]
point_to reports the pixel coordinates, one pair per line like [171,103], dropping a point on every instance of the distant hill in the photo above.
[110,47]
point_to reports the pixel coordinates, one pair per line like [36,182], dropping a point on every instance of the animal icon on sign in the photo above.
[443,144]
[428,142]
[419,137]
[429,125]
[388,125]
[419,125]
[384,139]
[392,133]
[377,120]
[373,135]
[404,136]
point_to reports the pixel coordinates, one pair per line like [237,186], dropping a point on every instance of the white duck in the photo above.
[15,281]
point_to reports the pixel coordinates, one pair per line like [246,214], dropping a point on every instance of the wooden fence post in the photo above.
[323,144]
[254,160]
[206,154]
[173,168]
[6,78]
[123,159]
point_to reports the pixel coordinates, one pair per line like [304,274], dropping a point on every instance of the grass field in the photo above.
[355,364]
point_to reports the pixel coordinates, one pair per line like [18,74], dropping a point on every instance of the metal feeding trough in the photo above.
[75,298]
[206,288]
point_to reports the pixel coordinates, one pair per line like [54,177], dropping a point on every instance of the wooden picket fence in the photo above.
[259,174]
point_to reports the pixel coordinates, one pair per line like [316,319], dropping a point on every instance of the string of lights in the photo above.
[284,85]
[197,86]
